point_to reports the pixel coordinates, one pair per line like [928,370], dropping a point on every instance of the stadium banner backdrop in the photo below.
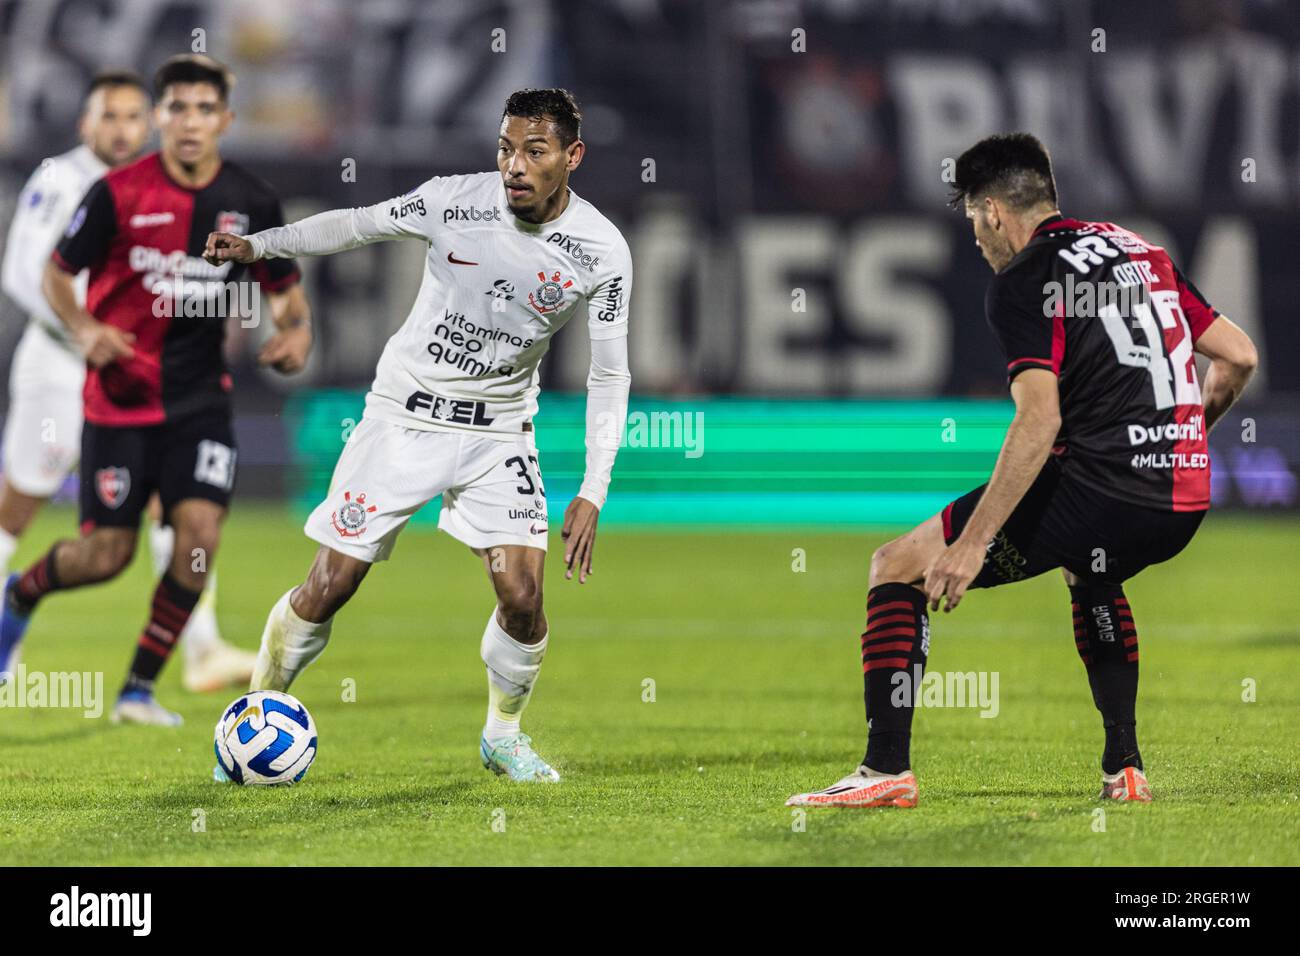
[741,461]
[785,212]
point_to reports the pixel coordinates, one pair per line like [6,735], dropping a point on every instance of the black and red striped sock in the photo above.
[172,604]
[1106,638]
[895,646]
[36,582]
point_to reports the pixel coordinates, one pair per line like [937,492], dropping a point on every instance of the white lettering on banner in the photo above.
[884,294]
[1165,146]
[779,345]
[945,103]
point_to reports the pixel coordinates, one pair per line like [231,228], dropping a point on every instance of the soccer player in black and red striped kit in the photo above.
[1104,469]
[157,392]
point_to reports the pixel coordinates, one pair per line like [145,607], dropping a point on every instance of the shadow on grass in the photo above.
[92,728]
[323,795]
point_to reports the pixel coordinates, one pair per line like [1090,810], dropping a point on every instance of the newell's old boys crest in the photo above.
[548,296]
[350,520]
[232,222]
[112,485]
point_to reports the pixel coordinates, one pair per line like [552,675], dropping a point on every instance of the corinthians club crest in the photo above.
[548,296]
[350,520]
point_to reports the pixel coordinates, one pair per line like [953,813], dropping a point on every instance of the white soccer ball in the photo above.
[265,737]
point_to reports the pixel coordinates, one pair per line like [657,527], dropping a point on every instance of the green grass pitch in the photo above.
[757,694]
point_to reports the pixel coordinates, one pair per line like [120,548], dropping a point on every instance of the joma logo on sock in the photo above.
[1105,628]
[103,909]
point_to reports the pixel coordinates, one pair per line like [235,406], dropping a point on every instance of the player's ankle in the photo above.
[499,728]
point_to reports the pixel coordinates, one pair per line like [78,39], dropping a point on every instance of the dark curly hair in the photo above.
[558,106]
[1012,166]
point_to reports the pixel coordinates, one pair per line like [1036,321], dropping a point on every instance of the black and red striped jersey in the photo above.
[141,236]
[1115,319]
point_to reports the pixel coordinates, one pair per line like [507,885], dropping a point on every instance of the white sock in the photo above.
[289,644]
[201,632]
[512,670]
[8,545]
[162,539]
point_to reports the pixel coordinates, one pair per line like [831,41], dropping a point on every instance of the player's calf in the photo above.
[99,556]
[299,625]
[16,512]
[1106,638]
[514,642]
[197,525]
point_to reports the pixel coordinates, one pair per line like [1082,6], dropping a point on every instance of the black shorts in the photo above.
[121,467]
[1061,524]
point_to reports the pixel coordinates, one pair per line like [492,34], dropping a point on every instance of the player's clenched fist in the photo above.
[103,343]
[227,247]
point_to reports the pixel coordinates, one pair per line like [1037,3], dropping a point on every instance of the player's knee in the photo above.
[520,601]
[884,564]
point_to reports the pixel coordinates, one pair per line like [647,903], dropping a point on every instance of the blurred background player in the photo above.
[450,411]
[42,436]
[157,396]
[1104,469]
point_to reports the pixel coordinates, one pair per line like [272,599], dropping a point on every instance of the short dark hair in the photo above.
[107,79]
[193,68]
[558,106]
[1013,166]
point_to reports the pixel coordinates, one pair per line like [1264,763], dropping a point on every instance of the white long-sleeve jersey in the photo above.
[45,206]
[495,289]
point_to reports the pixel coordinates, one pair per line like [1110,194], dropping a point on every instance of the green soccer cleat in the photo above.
[515,758]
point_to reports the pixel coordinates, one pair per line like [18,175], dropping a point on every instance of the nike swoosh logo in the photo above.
[451,257]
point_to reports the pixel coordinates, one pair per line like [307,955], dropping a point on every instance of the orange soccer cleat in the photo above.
[1129,784]
[863,788]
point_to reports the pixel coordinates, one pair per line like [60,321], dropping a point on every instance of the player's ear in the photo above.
[227,118]
[992,212]
[577,149]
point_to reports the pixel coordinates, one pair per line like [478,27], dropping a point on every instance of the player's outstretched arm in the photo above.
[1233,360]
[327,232]
[1025,448]
[608,384]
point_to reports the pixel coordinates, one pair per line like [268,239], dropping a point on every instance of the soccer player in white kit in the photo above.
[42,433]
[512,256]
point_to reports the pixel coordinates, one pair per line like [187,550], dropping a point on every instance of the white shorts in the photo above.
[491,489]
[42,434]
